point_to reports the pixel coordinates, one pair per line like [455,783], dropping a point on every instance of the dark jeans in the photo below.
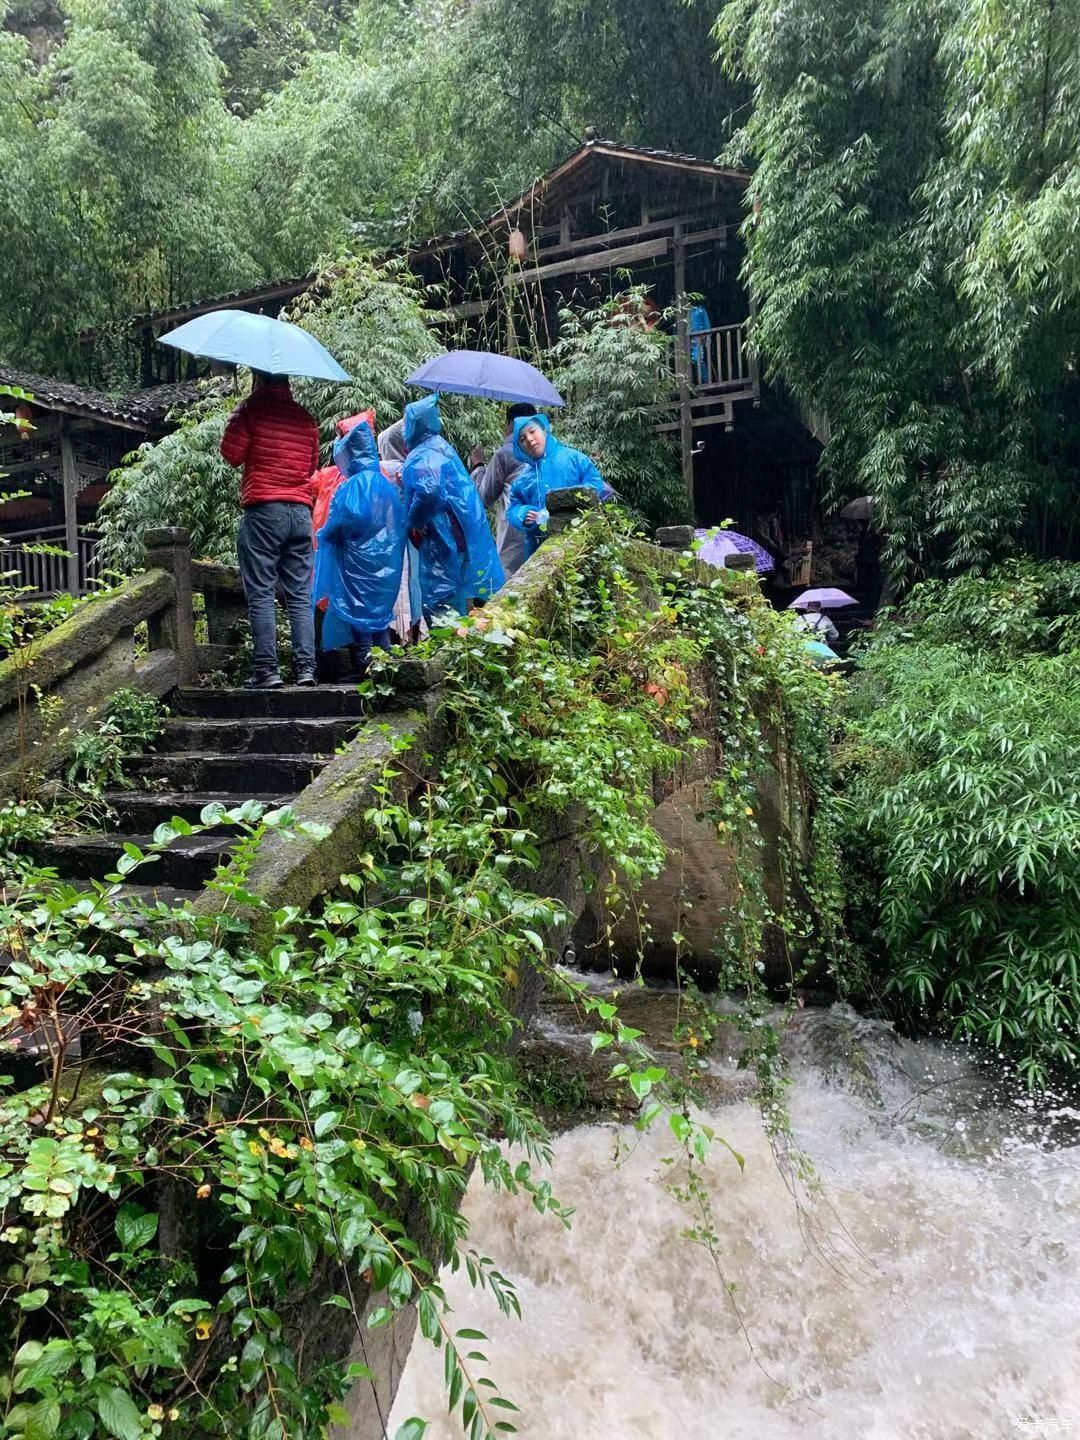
[363,645]
[274,550]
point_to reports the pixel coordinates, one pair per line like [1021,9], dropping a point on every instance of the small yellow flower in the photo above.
[203,1192]
[256,1149]
[264,1134]
[305,1143]
[749,809]
[202,1329]
[693,1042]
[358,1145]
[155,1412]
[298,1206]
[174,1414]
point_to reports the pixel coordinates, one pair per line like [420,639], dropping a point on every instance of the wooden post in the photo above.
[682,366]
[71,501]
[169,548]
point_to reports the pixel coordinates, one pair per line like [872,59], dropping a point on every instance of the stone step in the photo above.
[145,810]
[187,864]
[244,776]
[289,703]
[157,894]
[262,735]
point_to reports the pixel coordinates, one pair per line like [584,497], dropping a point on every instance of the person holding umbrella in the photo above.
[446,519]
[276,442]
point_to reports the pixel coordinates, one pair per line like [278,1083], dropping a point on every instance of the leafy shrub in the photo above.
[132,721]
[963,772]
[317,1094]
[616,376]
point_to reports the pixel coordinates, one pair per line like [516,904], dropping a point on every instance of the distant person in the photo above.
[814,620]
[276,442]
[446,519]
[547,465]
[493,480]
[361,551]
[410,607]
[868,564]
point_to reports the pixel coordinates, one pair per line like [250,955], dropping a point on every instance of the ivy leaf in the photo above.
[135,1228]
[119,1414]
[326,1121]
[413,1429]
[43,1419]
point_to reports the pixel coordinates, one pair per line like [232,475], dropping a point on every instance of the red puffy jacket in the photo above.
[277,443]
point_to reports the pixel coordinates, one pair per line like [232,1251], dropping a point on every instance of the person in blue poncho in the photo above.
[549,465]
[361,551]
[446,519]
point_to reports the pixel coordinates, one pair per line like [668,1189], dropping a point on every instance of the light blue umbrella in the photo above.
[820,653]
[258,341]
[481,372]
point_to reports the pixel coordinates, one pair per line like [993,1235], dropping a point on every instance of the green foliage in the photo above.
[318,1095]
[962,800]
[132,721]
[180,480]
[114,191]
[178,149]
[914,257]
[615,374]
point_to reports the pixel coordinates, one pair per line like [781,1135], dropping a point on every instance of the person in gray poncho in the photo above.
[493,480]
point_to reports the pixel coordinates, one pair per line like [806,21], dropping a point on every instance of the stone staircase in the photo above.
[218,747]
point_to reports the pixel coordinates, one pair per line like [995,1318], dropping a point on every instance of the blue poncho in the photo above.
[361,548]
[458,559]
[559,468]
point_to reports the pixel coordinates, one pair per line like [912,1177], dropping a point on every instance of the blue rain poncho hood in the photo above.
[422,420]
[361,547]
[458,559]
[559,468]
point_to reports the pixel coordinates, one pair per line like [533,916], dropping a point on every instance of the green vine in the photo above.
[207,1124]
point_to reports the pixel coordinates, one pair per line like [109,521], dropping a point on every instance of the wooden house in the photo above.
[61,452]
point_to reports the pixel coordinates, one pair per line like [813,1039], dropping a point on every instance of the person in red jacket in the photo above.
[277,443]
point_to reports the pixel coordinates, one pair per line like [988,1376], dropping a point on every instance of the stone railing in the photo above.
[92,655]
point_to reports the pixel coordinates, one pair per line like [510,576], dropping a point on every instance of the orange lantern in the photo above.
[517,245]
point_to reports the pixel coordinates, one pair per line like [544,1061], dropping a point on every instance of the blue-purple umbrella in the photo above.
[719,544]
[493,377]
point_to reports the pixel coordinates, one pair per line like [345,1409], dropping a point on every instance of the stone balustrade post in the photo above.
[675,537]
[169,548]
[740,562]
[563,505]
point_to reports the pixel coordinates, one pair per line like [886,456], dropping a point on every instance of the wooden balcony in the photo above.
[718,370]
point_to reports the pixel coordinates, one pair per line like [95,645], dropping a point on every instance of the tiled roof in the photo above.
[296,285]
[286,288]
[140,409]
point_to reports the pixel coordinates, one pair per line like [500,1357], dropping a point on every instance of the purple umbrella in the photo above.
[720,544]
[828,598]
[494,377]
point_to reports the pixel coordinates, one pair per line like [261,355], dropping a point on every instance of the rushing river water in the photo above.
[931,1293]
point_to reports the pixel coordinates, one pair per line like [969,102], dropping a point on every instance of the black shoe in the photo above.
[306,678]
[264,682]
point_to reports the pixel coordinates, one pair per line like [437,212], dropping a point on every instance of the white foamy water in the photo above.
[940,1302]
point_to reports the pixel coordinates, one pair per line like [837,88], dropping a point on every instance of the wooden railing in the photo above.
[39,575]
[720,359]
